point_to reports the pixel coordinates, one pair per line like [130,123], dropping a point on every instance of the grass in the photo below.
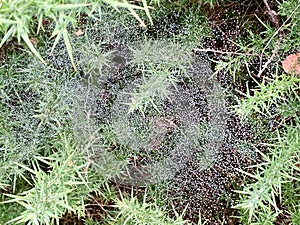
[73,148]
[261,203]
[63,188]
[271,93]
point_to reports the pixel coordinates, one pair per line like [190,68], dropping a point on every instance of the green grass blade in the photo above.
[7,21]
[40,23]
[58,36]
[69,47]
[26,168]
[8,35]
[32,48]
[124,4]
[137,17]
[16,220]
[146,8]
[68,6]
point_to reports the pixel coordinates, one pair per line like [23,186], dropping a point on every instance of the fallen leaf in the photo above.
[70,163]
[34,41]
[291,64]
[79,33]
[142,24]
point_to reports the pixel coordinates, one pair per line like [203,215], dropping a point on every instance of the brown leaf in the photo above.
[70,163]
[34,41]
[142,24]
[291,64]
[79,33]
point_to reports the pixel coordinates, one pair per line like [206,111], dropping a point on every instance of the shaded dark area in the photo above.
[231,21]
[211,191]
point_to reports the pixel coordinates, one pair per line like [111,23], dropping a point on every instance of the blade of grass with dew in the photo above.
[61,31]
[63,7]
[128,6]
[69,47]
[58,35]
[7,21]
[135,15]
[8,34]
[40,22]
[26,168]
[123,4]
[146,8]
[32,48]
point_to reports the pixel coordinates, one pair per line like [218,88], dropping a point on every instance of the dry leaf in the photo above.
[34,41]
[70,163]
[291,64]
[79,33]
[142,24]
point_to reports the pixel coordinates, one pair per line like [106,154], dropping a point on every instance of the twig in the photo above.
[274,19]
[101,205]
[223,52]
[272,14]
[279,33]
[274,52]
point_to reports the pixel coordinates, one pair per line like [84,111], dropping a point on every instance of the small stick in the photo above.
[274,19]
[223,52]
[272,14]
[279,33]
[274,52]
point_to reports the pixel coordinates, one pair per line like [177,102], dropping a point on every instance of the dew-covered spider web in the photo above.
[186,124]
[148,110]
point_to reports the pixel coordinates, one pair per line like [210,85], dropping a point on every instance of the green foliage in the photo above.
[275,102]
[93,59]
[50,138]
[63,187]
[272,107]
[34,110]
[245,59]
[159,61]
[18,19]
[290,9]
[259,44]
[153,89]
[9,211]
[282,92]
[272,178]
[58,175]
[131,211]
